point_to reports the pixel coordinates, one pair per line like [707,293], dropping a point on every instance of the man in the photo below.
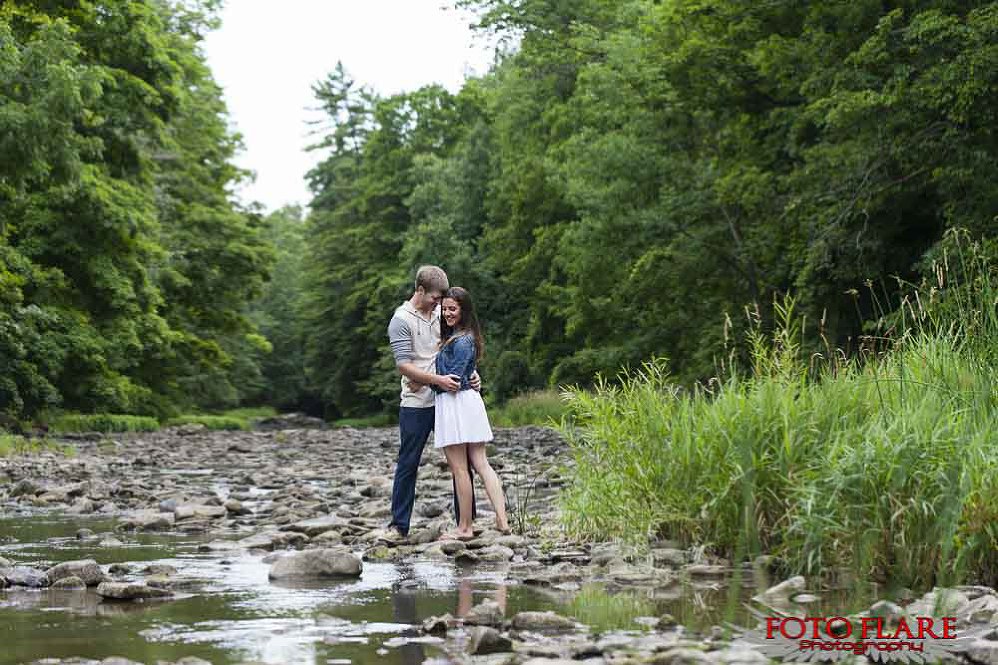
[414,335]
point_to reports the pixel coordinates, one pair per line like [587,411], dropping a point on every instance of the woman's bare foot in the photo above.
[457,534]
[503,528]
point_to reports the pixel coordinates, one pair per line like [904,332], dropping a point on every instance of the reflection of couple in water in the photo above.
[405,610]
[438,361]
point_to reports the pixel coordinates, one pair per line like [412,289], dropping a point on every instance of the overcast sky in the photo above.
[268,54]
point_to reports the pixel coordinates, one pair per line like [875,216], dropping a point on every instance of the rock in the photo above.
[82,507]
[317,525]
[328,538]
[159,569]
[494,553]
[434,509]
[705,570]
[220,546]
[485,640]
[198,511]
[939,602]
[542,621]
[25,576]
[148,520]
[317,564]
[438,625]
[25,487]
[110,541]
[190,429]
[486,613]
[679,656]
[426,535]
[84,534]
[668,557]
[781,593]
[466,558]
[380,553]
[452,547]
[512,541]
[69,583]
[85,569]
[119,569]
[290,421]
[235,507]
[130,591]
[984,652]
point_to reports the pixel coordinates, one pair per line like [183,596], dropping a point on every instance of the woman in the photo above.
[461,426]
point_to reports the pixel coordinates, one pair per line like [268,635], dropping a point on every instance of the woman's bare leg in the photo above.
[457,459]
[493,487]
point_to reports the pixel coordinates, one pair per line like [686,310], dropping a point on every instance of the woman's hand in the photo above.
[449,382]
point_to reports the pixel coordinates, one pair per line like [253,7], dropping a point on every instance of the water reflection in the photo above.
[234,613]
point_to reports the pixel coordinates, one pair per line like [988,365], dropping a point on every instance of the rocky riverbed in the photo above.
[194,546]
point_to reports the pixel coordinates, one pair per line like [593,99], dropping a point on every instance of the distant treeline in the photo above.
[629,177]
[125,269]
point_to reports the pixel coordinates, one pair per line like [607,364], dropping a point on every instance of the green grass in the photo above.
[885,464]
[11,444]
[537,408]
[210,422]
[249,413]
[380,420]
[103,422]
[232,419]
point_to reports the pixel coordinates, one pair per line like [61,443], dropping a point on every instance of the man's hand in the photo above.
[476,381]
[415,386]
[449,382]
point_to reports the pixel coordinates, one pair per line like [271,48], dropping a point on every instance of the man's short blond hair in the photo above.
[432,278]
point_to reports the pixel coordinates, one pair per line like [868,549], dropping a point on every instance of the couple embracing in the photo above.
[437,342]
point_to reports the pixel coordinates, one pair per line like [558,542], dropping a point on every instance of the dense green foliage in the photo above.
[626,180]
[103,422]
[632,174]
[124,267]
[886,466]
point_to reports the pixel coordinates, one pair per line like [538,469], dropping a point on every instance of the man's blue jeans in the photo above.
[415,424]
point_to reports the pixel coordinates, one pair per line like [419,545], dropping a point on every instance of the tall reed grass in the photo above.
[885,464]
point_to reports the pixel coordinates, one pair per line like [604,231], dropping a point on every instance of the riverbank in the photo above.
[205,516]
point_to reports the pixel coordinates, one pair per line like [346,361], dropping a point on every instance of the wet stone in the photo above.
[26,577]
[317,564]
[86,570]
[542,621]
[130,591]
[484,640]
[487,613]
[69,583]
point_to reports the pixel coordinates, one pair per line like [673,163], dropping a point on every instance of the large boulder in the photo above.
[320,563]
[25,576]
[85,569]
[130,591]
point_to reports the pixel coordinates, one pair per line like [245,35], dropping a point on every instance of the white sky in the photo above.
[268,54]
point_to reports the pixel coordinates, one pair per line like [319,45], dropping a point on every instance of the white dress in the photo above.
[460,418]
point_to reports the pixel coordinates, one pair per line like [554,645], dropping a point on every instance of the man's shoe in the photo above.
[392,537]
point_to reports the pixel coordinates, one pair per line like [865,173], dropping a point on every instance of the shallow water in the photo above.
[232,613]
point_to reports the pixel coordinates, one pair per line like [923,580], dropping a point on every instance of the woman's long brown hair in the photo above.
[468,321]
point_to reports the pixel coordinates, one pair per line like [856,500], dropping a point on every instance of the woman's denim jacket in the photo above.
[457,358]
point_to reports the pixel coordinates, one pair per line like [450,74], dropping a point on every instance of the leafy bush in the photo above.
[104,422]
[11,444]
[544,407]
